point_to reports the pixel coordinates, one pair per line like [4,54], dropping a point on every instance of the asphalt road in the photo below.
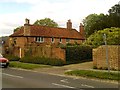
[16,78]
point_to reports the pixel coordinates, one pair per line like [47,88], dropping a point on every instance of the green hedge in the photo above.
[12,57]
[78,53]
[42,60]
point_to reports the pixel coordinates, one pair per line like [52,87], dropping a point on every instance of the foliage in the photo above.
[17,28]
[96,39]
[46,22]
[115,10]
[42,60]
[26,65]
[78,53]
[95,22]
[12,57]
[94,74]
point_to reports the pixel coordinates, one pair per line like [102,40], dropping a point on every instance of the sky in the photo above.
[14,12]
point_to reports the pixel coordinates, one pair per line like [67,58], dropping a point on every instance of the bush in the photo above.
[42,60]
[78,53]
[112,37]
[12,57]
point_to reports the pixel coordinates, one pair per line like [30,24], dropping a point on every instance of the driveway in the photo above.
[81,66]
[61,69]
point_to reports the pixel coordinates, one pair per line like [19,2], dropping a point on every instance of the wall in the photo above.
[99,57]
[47,41]
[45,51]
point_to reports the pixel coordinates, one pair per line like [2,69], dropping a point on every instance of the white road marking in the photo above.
[12,75]
[87,86]
[64,80]
[65,86]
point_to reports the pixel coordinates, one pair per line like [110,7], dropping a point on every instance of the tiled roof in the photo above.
[49,32]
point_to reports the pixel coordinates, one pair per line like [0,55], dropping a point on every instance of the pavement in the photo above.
[62,69]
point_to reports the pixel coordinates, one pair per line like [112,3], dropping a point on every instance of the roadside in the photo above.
[55,70]
[62,69]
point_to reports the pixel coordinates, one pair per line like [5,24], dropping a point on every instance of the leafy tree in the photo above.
[94,22]
[17,28]
[46,22]
[114,16]
[96,39]
[115,10]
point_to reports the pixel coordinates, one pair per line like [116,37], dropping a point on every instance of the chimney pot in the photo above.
[81,30]
[69,24]
[27,21]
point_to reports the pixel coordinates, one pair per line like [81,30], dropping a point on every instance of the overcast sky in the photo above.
[14,12]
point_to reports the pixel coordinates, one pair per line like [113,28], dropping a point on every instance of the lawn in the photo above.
[17,64]
[95,74]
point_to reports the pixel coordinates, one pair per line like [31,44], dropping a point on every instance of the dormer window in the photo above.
[39,39]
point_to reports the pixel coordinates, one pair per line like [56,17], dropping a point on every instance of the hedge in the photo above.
[42,60]
[78,53]
[12,57]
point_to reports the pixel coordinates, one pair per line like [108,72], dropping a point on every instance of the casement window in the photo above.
[39,39]
[52,40]
[60,40]
[67,40]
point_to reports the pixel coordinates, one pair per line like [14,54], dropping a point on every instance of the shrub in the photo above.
[112,37]
[12,57]
[78,53]
[42,60]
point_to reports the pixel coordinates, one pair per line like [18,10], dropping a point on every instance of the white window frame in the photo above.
[60,40]
[52,39]
[39,39]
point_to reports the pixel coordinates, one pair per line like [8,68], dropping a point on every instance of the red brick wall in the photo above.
[21,41]
[99,57]
[47,51]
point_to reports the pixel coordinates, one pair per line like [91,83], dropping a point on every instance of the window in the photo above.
[67,40]
[52,40]
[60,40]
[39,39]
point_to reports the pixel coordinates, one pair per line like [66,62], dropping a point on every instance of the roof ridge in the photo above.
[51,27]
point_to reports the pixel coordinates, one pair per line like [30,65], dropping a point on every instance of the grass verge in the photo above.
[95,74]
[26,65]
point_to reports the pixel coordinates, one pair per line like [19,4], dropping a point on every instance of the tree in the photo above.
[46,22]
[114,16]
[96,39]
[94,22]
[17,28]
[115,10]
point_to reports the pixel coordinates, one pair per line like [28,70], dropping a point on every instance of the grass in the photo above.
[27,65]
[95,74]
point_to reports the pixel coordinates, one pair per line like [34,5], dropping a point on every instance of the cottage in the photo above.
[44,35]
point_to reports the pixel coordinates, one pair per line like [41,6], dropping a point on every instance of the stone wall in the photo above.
[99,57]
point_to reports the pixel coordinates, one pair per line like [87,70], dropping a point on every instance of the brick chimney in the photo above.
[81,30]
[27,27]
[69,25]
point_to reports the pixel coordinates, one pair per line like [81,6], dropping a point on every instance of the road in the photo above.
[16,78]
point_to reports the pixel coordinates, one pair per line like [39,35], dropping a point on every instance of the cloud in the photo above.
[59,10]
